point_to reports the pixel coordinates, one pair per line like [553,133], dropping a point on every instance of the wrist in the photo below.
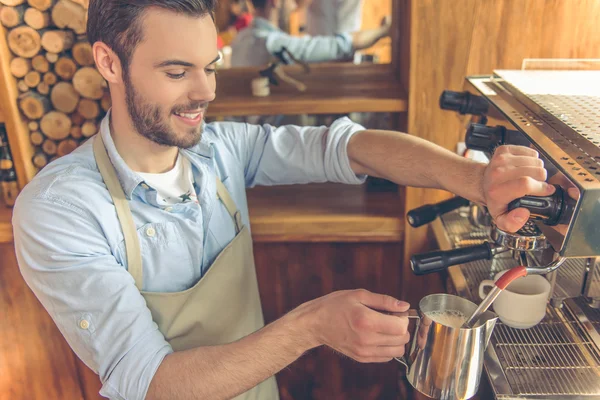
[300,325]
[475,179]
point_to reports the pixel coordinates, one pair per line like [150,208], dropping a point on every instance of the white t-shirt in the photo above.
[174,186]
[330,17]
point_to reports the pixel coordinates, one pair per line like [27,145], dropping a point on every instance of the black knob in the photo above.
[436,261]
[463,102]
[556,209]
[484,138]
[427,213]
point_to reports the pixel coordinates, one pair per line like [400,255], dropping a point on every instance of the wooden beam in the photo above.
[18,134]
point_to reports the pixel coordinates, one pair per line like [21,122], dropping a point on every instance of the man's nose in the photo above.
[203,89]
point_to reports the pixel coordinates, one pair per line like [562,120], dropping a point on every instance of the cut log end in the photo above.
[24,41]
[40,160]
[89,129]
[66,146]
[57,41]
[36,18]
[20,66]
[32,79]
[89,83]
[12,16]
[65,68]
[33,105]
[40,63]
[56,125]
[64,97]
[36,138]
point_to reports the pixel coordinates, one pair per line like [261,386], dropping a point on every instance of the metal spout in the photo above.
[489,328]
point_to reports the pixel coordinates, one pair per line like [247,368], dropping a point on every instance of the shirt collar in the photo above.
[128,178]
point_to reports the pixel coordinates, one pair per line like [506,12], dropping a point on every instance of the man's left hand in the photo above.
[513,172]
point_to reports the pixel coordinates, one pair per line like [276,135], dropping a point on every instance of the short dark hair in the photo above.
[259,3]
[118,22]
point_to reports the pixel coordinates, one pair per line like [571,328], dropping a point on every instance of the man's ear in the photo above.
[107,62]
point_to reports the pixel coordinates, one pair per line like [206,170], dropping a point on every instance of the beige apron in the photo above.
[222,307]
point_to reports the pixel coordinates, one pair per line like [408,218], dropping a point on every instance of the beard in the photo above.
[152,122]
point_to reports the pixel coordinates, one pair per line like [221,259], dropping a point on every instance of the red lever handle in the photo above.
[510,276]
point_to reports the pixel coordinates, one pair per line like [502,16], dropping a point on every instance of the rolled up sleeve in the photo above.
[66,260]
[292,154]
[312,49]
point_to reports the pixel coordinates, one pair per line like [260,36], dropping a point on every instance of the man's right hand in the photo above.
[357,324]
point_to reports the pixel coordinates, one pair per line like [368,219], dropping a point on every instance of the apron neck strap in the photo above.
[132,243]
[225,197]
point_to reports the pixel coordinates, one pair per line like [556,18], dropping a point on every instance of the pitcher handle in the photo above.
[411,314]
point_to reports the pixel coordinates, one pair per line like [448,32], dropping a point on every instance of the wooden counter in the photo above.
[325,213]
[331,89]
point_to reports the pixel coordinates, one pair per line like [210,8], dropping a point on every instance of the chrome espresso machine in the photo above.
[556,112]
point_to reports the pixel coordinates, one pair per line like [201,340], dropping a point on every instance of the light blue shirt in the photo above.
[70,246]
[256,45]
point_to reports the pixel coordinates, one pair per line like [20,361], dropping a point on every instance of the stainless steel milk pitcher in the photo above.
[444,362]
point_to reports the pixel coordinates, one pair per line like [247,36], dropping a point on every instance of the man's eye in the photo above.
[210,71]
[176,76]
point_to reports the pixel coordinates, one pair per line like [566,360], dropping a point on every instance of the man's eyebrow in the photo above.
[181,63]
[217,58]
[168,63]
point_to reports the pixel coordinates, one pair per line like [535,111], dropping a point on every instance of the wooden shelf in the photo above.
[331,89]
[6,235]
[325,213]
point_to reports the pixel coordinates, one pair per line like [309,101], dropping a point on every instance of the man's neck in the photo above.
[139,153]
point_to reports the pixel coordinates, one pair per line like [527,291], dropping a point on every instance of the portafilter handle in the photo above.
[435,261]
[464,103]
[552,210]
[427,213]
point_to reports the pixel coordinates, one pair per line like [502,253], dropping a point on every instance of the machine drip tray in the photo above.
[557,359]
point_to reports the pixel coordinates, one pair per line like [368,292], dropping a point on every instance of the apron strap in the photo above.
[132,244]
[225,197]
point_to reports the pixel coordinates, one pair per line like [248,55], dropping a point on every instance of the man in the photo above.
[328,17]
[137,243]
[257,44]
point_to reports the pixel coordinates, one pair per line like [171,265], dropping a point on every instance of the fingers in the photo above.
[524,161]
[513,220]
[517,151]
[381,301]
[389,324]
[378,353]
[505,174]
[507,191]
[391,340]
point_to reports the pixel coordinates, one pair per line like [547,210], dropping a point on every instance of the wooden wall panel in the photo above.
[451,40]
[292,273]
[440,38]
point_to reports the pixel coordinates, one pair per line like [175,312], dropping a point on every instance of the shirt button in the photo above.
[168,209]
[84,324]
[150,232]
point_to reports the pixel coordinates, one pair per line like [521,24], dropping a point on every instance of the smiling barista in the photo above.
[137,243]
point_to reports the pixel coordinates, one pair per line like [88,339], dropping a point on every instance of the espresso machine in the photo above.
[557,113]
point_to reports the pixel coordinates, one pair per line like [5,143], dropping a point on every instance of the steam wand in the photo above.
[503,282]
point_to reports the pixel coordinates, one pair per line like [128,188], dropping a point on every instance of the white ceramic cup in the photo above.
[523,303]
